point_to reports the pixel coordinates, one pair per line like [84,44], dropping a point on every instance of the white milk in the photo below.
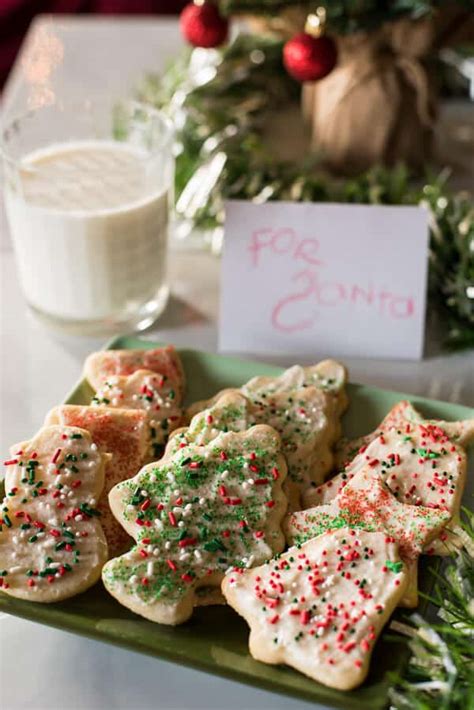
[89,226]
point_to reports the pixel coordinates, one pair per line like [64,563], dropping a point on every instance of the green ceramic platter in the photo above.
[215,639]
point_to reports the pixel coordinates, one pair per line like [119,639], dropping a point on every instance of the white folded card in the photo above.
[300,278]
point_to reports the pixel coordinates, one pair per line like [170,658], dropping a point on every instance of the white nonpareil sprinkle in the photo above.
[152,478]
[133,579]
[158,524]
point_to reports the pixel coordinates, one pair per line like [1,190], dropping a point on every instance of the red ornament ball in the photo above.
[308,58]
[203,25]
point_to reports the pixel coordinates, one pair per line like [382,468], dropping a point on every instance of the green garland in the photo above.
[220,101]
[440,673]
[343,16]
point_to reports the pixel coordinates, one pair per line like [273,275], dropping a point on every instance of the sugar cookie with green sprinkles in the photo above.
[165,361]
[303,404]
[366,503]
[52,545]
[329,376]
[193,515]
[422,462]
[301,417]
[321,606]
[152,393]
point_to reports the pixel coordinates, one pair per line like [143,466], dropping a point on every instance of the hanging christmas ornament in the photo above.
[203,25]
[311,55]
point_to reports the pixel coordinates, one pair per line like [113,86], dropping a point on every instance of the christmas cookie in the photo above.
[399,416]
[148,391]
[165,361]
[301,417]
[320,607]
[193,515]
[366,503]
[329,376]
[124,433]
[51,541]
[418,461]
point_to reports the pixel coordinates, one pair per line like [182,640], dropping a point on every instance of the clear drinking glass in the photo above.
[88,194]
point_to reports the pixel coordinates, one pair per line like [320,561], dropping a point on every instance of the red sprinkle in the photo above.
[187,541]
[56,455]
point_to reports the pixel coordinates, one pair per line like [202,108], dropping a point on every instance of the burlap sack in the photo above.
[378,104]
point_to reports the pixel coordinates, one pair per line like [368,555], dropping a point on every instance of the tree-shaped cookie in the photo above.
[301,417]
[320,607]
[418,461]
[165,361]
[193,515]
[328,376]
[366,503]
[124,434]
[151,392]
[51,541]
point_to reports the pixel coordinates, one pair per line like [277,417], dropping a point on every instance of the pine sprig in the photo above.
[440,674]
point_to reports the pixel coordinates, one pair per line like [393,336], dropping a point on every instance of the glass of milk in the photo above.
[88,194]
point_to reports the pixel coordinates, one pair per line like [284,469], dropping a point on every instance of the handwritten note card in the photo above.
[341,279]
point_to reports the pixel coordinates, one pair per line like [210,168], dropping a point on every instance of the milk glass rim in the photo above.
[6,124]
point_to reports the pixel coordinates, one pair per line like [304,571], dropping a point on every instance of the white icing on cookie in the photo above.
[194,514]
[51,542]
[320,607]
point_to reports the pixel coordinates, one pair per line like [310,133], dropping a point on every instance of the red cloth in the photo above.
[16,15]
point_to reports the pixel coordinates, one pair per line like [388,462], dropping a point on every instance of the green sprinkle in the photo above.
[394,566]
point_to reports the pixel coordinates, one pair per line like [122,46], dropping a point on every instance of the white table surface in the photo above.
[42,668]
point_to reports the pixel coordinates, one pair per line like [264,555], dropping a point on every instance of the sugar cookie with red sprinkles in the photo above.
[366,503]
[419,461]
[152,393]
[52,545]
[100,366]
[321,606]
[193,515]
[124,434]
